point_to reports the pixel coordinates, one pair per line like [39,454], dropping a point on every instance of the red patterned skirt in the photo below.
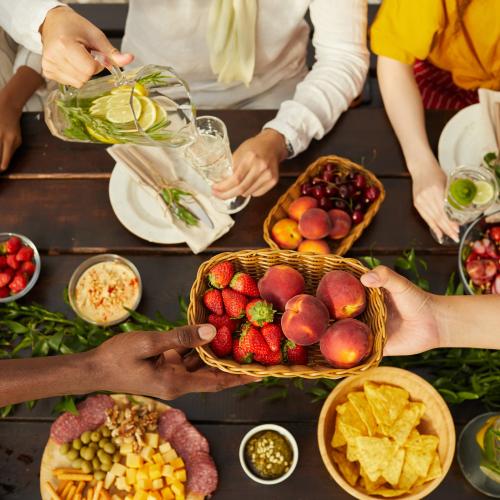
[438,89]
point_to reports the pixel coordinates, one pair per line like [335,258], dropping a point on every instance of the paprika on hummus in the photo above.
[104,290]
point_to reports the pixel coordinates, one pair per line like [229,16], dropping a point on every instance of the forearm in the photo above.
[468,321]
[404,107]
[37,378]
[21,87]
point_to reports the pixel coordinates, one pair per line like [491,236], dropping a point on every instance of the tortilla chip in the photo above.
[338,438]
[408,475]
[370,486]
[386,403]
[349,470]
[389,492]
[392,472]
[435,469]
[423,442]
[352,449]
[408,419]
[360,404]
[413,434]
[349,424]
[374,455]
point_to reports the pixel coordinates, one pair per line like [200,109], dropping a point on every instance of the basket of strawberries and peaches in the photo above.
[286,314]
[326,209]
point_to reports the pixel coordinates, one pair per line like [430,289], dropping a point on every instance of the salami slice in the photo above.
[66,428]
[168,421]
[202,477]
[187,441]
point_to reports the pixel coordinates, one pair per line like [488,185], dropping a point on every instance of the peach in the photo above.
[314,246]
[305,319]
[280,284]
[342,293]
[301,205]
[346,343]
[286,234]
[315,224]
[341,223]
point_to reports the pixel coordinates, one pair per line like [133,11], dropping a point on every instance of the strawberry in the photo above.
[273,335]
[12,262]
[4,292]
[240,355]
[259,312]
[28,268]
[270,358]
[18,283]
[294,354]
[245,284]
[213,301]
[220,275]
[25,254]
[234,302]
[3,261]
[224,320]
[12,245]
[222,343]
[6,277]
[253,342]
[495,233]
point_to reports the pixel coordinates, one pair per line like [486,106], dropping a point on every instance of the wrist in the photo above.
[278,142]
[51,15]
[438,309]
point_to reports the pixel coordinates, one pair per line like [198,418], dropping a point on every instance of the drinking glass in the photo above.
[470,191]
[210,155]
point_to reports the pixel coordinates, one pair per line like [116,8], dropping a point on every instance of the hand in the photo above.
[152,364]
[255,166]
[10,129]
[429,189]
[412,325]
[67,39]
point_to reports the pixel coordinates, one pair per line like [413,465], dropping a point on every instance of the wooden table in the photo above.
[56,193]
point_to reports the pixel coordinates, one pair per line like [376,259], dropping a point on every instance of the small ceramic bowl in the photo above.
[280,430]
[36,259]
[88,264]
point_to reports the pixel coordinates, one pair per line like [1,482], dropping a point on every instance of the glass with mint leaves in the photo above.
[150,105]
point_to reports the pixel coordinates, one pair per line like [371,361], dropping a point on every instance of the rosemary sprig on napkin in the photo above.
[173,198]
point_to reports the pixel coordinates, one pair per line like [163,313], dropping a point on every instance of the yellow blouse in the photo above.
[407,30]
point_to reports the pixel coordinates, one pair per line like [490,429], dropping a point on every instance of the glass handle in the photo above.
[108,64]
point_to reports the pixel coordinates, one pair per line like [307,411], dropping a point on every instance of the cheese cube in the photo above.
[177,488]
[134,460]
[118,469]
[166,494]
[164,447]
[128,439]
[180,497]
[171,480]
[142,474]
[146,453]
[153,495]
[177,463]
[121,484]
[116,497]
[131,476]
[140,495]
[169,455]
[167,471]
[154,471]
[126,448]
[144,484]
[152,439]
[180,475]
[109,480]
[158,458]
[128,497]
[157,484]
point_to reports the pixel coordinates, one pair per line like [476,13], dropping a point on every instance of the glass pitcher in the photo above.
[150,105]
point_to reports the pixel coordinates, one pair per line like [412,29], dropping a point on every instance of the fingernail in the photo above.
[206,332]
[370,278]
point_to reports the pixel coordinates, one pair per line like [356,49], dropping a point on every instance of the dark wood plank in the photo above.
[23,443]
[364,135]
[76,216]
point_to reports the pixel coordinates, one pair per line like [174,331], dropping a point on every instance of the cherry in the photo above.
[317,181]
[325,203]
[372,193]
[351,189]
[357,216]
[360,181]
[306,189]
[359,206]
[330,167]
[328,176]
[341,204]
[351,176]
[337,180]
[319,191]
[332,191]
[343,191]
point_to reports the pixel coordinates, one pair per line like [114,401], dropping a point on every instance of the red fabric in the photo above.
[438,90]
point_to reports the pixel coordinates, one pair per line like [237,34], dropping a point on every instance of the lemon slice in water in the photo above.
[120,111]
[148,114]
[100,137]
[139,89]
[484,193]
[100,106]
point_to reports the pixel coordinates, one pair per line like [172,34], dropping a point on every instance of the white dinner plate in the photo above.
[461,141]
[140,211]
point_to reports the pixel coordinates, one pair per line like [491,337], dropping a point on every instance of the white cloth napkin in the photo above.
[490,118]
[198,238]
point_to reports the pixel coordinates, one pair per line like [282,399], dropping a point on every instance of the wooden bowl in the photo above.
[436,420]
[312,267]
[280,210]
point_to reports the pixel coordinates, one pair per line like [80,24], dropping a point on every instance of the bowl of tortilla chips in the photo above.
[386,433]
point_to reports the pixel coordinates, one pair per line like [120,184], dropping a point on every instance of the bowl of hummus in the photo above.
[104,289]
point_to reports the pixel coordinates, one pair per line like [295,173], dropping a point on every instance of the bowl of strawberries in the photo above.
[479,256]
[19,266]
[287,314]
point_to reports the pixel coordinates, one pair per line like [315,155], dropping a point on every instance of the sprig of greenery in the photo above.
[492,161]
[173,200]
[410,265]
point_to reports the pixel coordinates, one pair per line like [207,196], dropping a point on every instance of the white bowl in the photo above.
[280,430]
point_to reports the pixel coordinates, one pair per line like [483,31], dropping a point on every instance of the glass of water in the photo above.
[210,155]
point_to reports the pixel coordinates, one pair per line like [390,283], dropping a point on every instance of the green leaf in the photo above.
[371,262]
[449,396]
[67,403]
[55,340]
[465,395]
[423,283]
[31,404]
[402,263]
[6,411]
[15,326]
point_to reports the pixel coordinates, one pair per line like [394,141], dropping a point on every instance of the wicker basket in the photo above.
[280,210]
[312,267]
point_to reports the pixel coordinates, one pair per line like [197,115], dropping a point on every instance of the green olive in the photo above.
[104,457]
[85,437]
[99,475]
[94,446]
[64,448]
[117,457]
[87,453]
[106,432]
[77,443]
[87,467]
[77,464]
[72,454]
[103,442]
[95,436]
[96,464]
[105,467]
[109,448]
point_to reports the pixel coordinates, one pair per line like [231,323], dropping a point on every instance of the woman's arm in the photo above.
[404,107]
